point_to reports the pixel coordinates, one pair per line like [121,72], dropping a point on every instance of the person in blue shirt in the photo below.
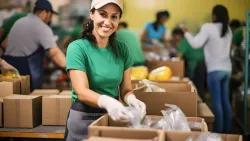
[155,32]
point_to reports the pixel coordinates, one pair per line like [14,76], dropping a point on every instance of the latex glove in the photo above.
[114,108]
[7,68]
[137,104]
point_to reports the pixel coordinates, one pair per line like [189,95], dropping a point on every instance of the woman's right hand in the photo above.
[114,108]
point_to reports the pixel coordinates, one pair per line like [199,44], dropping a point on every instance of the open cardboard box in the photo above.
[24,83]
[105,121]
[183,136]
[155,101]
[125,134]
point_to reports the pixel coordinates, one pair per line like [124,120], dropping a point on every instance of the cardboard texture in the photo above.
[173,87]
[183,136]
[45,92]
[1,112]
[203,111]
[9,87]
[22,111]
[177,68]
[24,83]
[126,134]
[106,122]
[55,109]
[155,101]
[66,92]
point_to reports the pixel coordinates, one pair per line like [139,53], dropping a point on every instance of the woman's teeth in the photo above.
[106,28]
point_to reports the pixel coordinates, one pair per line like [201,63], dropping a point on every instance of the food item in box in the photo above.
[160,74]
[139,73]
[173,120]
[205,137]
[150,87]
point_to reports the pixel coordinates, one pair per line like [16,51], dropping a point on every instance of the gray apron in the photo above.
[80,116]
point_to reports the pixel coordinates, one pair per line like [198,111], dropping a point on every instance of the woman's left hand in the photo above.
[140,106]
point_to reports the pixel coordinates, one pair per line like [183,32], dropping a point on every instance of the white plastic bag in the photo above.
[151,87]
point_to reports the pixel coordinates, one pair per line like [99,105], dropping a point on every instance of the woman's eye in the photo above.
[103,14]
[114,17]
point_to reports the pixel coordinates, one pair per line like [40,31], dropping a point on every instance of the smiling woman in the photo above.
[99,64]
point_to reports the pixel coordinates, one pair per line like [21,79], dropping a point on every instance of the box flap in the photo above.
[16,96]
[46,91]
[155,101]
[66,92]
[126,133]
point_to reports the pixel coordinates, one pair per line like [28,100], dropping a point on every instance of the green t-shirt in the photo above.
[103,69]
[76,33]
[238,37]
[134,45]
[7,25]
[192,56]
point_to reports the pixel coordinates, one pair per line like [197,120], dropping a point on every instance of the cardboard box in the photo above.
[24,83]
[105,122]
[1,112]
[125,134]
[66,92]
[22,111]
[9,88]
[203,111]
[177,67]
[183,136]
[45,92]
[155,101]
[55,109]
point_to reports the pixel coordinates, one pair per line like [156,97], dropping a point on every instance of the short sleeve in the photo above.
[237,37]
[127,58]
[46,38]
[182,47]
[75,58]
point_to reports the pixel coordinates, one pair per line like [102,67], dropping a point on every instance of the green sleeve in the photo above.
[182,47]
[75,57]
[237,37]
[7,25]
[127,58]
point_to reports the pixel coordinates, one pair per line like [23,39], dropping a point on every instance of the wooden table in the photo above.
[52,132]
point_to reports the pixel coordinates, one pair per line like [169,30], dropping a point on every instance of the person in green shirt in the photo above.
[191,55]
[194,60]
[238,37]
[133,42]
[99,68]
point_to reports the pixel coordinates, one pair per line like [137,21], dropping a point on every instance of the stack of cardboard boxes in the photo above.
[21,109]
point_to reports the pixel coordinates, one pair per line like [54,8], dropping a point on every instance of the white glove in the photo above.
[114,108]
[137,104]
[7,68]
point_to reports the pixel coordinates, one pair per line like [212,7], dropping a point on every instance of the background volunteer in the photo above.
[28,40]
[98,64]
[216,38]
[133,42]
[155,32]
[194,59]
